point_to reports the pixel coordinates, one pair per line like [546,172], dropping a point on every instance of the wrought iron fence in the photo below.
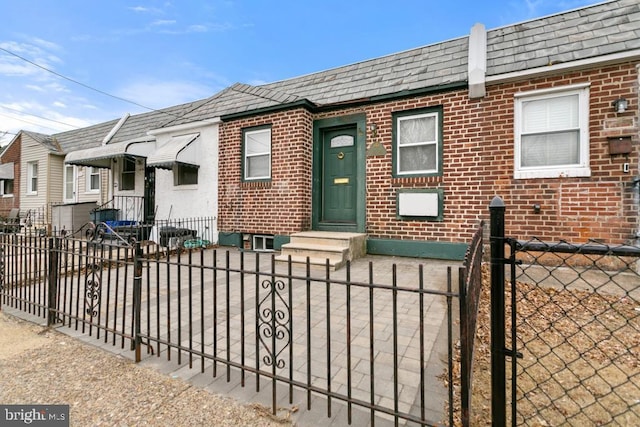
[573,326]
[469,291]
[367,339]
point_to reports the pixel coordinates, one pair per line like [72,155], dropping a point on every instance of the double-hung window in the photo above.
[32,177]
[128,174]
[552,133]
[93,179]
[256,154]
[417,143]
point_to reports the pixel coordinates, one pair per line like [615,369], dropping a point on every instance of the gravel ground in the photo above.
[40,366]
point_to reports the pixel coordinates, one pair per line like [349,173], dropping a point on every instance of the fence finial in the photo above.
[497,202]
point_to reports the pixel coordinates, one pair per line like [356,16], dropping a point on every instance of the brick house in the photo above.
[411,148]
[10,176]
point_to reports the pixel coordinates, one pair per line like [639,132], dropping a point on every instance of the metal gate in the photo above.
[565,331]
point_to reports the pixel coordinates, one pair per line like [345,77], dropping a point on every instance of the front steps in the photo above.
[319,246]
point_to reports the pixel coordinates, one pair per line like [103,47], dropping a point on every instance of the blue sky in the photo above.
[162,53]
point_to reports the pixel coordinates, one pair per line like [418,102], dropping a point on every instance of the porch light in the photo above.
[620,105]
[373,128]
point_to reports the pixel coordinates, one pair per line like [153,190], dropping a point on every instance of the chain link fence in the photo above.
[573,324]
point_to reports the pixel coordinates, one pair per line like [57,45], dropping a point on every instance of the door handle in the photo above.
[340,155]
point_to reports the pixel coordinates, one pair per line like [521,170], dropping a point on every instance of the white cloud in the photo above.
[197,28]
[161,22]
[142,9]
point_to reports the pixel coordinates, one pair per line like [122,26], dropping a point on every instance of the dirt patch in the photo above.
[18,335]
[41,366]
[581,358]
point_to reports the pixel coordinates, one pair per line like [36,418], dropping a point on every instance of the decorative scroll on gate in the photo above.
[274,317]
[93,289]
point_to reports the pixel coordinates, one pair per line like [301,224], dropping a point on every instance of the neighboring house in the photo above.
[186,173]
[10,176]
[411,148]
[35,179]
[158,173]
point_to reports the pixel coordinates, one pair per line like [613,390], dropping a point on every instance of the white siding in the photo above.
[191,201]
[32,151]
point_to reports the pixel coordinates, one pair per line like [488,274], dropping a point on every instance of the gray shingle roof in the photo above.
[78,139]
[135,126]
[433,65]
[570,36]
[138,125]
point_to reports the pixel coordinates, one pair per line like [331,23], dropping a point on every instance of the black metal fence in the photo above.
[573,327]
[367,338]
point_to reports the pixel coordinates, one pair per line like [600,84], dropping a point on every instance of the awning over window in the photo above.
[100,157]
[6,170]
[179,149]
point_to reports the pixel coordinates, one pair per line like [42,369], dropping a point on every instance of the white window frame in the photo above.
[3,188]
[131,174]
[90,172]
[266,153]
[580,169]
[32,177]
[435,142]
[70,186]
[262,243]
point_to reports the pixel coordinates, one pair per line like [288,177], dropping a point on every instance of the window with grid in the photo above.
[418,143]
[552,133]
[257,154]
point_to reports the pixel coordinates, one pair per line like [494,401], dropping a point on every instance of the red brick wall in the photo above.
[12,154]
[283,205]
[602,206]
[477,165]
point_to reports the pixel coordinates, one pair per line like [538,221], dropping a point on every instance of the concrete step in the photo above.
[319,246]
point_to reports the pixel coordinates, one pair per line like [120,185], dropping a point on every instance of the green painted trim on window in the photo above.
[417,249]
[244,132]
[359,120]
[394,142]
[438,218]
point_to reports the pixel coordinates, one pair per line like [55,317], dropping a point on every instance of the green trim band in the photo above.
[417,249]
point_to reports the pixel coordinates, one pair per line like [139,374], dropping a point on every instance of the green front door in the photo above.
[339,177]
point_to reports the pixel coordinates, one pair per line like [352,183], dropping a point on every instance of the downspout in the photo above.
[477,61]
[115,129]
